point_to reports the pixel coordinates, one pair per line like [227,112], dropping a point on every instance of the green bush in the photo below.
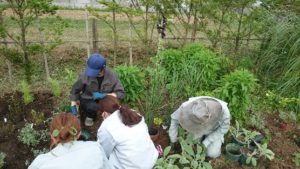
[25,89]
[195,67]
[171,60]
[236,88]
[2,157]
[29,136]
[133,81]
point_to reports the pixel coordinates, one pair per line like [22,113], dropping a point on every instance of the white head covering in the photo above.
[200,116]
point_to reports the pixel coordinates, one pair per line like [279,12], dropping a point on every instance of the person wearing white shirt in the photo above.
[207,118]
[67,151]
[124,136]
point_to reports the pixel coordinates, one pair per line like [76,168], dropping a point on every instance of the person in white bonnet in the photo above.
[207,118]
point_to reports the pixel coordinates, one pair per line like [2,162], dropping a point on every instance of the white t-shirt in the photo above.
[73,155]
[127,147]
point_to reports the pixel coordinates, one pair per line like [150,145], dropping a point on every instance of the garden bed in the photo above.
[18,154]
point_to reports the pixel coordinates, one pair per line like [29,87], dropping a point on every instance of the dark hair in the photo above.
[110,104]
[64,127]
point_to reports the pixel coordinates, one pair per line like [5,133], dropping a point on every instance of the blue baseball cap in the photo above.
[95,64]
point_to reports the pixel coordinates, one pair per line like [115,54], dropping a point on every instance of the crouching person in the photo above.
[124,136]
[66,151]
[207,118]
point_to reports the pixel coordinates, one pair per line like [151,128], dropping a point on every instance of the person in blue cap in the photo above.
[93,84]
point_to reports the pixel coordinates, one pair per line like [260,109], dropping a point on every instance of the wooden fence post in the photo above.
[87,32]
[95,35]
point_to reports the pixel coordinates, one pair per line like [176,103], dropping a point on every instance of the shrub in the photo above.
[55,86]
[70,77]
[27,96]
[236,88]
[29,136]
[171,60]
[2,157]
[133,81]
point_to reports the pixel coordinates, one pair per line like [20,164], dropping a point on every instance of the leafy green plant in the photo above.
[236,88]
[29,136]
[296,159]
[255,120]
[192,156]
[241,134]
[55,86]
[157,121]
[25,89]
[262,151]
[37,117]
[70,77]
[171,60]
[2,157]
[133,81]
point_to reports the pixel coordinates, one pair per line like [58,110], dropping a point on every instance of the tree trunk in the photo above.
[41,36]
[130,45]
[146,29]
[23,44]
[237,38]
[219,34]
[87,33]
[95,36]
[115,37]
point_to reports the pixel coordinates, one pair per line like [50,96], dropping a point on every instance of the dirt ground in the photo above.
[18,155]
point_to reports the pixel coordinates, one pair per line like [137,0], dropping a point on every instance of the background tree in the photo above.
[25,12]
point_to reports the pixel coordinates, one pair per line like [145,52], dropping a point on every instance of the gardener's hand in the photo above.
[98,95]
[74,107]
[74,110]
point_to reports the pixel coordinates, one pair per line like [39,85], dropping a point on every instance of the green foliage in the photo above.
[25,89]
[255,120]
[37,117]
[236,89]
[242,134]
[133,81]
[29,136]
[55,86]
[2,157]
[70,77]
[194,68]
[192,156]
[296,159]
[155,95]
[261,151]
[279,61]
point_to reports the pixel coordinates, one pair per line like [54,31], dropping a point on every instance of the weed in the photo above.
[296,159]
[25,89]
[255,120]
[39,152]
[37,117]
[55,86]
[2,157]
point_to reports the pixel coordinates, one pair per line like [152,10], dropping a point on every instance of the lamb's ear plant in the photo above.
[29,136]
[2,158]
[25,89]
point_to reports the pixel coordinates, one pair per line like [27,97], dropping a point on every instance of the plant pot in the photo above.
[153,132]
[233,151]
[238,141]
[243,160]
